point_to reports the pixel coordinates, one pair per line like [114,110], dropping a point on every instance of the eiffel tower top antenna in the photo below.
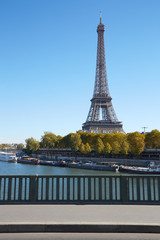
[100,16]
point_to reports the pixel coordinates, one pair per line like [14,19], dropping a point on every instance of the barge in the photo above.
[151,169]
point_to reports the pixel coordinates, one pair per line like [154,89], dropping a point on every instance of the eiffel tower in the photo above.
[101,117]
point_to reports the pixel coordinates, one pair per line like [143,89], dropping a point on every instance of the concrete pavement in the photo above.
[80,218]
[78,236]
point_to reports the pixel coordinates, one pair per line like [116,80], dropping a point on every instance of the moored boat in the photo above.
[8,157]
[29,160]
[93,166]
[140,170]
[47,163]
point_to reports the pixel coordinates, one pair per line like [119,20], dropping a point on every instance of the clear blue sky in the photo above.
[48,61]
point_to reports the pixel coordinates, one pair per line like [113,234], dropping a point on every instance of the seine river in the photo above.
[7,168]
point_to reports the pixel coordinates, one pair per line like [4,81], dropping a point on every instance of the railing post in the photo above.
[9,188]
[33,189]
[20,189]
[47,189]
[100,188]
[79,188]
[68,188]
[124,189]
[57,188]
[89,188]
[149,189]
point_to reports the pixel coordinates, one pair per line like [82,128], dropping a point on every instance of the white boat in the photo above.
[8,157]
[151,169]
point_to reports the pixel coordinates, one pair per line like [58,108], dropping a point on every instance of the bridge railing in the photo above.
[123,189]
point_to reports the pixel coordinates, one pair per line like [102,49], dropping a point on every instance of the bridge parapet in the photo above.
[90,189]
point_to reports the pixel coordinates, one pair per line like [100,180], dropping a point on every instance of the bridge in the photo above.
[82,204]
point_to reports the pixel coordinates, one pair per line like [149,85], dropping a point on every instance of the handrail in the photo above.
[122,189]
[84,175]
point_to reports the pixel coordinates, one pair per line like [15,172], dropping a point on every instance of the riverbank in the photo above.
[119,161]
[99,164]
[70,164]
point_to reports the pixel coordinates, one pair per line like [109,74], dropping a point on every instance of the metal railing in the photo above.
[123,189]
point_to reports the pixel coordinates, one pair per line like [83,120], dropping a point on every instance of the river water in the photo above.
[7,168]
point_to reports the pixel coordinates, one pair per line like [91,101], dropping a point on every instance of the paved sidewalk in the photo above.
[79,218]
[79,236]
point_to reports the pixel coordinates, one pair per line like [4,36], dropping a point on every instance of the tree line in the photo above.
[110,143]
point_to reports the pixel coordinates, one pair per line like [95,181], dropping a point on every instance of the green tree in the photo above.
[89,138]
[48,140]
[32,145]
[107,138]
[107,148]
[75,141]
[124,147]
[20,146]
[87,148]
[65,142]
[116,148]
[136,143]
[82,148]
[59,138]
[152,139]
[99,146]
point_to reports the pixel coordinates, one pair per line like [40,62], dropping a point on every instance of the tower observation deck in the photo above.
[101,117]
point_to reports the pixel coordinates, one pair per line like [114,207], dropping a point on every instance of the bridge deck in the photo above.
[140,218]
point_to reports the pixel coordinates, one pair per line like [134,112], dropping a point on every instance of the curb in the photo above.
[79,228]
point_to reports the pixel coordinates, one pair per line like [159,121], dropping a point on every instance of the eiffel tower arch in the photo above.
[101,117]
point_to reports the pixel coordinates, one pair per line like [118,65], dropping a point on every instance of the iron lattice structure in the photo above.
[101,117]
